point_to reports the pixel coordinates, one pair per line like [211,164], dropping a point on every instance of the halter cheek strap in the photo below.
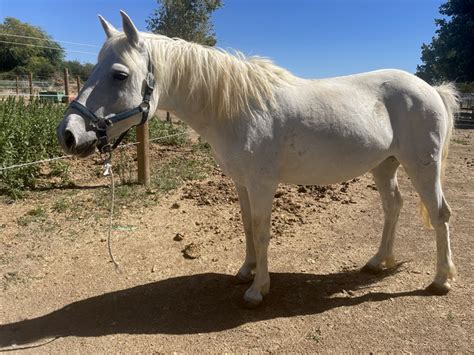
[100,124]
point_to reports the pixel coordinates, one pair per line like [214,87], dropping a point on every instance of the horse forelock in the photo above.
[226,86]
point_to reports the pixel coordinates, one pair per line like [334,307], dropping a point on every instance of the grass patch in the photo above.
[202,146]
[177,171]
[62,205]
[460,141]
[166,133]
[37,214]
[314,336]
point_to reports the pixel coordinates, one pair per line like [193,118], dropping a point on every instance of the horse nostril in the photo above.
[69,139]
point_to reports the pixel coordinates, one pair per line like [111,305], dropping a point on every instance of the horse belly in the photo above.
[328,157]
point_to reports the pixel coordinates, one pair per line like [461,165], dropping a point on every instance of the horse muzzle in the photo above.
[74,138]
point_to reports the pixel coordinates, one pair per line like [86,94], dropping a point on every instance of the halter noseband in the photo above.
[100,123]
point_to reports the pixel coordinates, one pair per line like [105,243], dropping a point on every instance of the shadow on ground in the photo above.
[197,304]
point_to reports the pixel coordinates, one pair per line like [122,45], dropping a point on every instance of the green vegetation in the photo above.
[460,141]
[189,20]
[449,56]
[77,68]
[178,170]
[173,134]
[37,214]
[62,205]
[27,133]
[21,59]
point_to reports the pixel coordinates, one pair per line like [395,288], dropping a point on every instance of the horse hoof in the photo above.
[437,289]
[370,269]
[252,301]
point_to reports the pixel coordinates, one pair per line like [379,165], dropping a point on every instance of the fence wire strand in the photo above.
[49,40]
[48,47]
[122,146]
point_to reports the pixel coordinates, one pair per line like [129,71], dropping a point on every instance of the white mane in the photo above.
[226,86]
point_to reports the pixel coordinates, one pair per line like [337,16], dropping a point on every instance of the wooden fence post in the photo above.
[66,84]
[78,81]
[17,86]
[143,154]
[30,79]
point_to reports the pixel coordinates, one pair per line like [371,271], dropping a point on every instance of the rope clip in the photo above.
[107,164]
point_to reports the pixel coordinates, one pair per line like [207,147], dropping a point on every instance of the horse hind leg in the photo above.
[427,182]
[385,177]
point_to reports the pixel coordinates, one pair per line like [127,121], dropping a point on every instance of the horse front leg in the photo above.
[247,270]
[260,200]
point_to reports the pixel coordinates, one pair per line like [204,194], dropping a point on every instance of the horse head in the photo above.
[118,94]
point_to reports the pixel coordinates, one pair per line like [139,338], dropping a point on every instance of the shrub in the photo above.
[27,133]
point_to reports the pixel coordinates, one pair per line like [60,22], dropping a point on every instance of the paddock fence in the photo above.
[52,88]
[465,117]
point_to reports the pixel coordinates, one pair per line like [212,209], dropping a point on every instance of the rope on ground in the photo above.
[108,171]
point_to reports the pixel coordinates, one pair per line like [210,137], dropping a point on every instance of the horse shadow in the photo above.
[198,303]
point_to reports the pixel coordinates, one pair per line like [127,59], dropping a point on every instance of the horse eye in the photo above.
[120,76]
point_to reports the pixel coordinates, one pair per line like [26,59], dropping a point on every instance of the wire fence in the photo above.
[56,88]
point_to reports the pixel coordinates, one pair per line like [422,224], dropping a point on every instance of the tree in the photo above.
[450,55]
[42,57]
[77,68]
[186,19]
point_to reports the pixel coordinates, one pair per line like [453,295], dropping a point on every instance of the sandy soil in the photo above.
[178,254]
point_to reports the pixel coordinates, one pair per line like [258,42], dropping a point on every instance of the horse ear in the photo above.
[130,30]
[108,28]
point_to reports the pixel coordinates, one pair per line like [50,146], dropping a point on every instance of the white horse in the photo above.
[267,126]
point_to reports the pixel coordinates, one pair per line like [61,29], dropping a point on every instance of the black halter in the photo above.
[100,124]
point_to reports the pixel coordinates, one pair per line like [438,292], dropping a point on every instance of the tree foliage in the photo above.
[450,55]
[77,68]
[19,59]
[186,19]
[41,57]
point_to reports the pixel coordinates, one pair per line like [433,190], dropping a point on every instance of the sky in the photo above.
[311,38]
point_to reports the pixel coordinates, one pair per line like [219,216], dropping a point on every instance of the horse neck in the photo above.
[185,109]
[175,99]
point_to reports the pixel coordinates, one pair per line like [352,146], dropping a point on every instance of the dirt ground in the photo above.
[59,292]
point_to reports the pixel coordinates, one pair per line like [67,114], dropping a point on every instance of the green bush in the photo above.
[27,133]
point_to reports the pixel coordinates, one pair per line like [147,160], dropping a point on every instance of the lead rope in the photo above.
[108,171]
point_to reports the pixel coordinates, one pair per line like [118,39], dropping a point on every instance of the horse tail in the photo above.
[451,99]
